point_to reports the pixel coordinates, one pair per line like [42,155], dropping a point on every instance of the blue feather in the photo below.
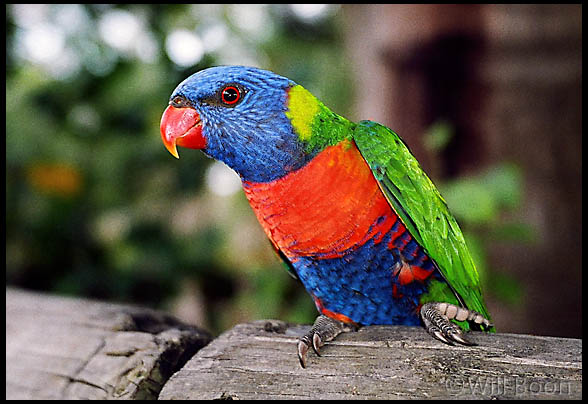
[260,147]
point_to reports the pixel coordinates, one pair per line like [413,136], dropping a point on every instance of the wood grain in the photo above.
[258,361]
[67,348]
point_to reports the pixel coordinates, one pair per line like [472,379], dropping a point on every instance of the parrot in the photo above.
[345,204]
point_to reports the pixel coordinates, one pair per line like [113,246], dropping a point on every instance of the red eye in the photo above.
[230,95]
[177,102]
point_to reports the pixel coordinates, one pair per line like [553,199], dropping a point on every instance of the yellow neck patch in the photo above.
[302,109]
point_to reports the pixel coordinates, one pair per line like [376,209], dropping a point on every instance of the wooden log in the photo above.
[59,347]
[67,348]
[258,361]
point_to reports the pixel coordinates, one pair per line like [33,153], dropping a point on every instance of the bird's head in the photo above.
[253,120]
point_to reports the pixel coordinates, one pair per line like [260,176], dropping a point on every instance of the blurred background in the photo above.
[488,98]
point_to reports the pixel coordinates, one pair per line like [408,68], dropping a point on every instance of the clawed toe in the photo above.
[324,329]
[459,338]
[302,351]
[317,343]
[439,335]
[436,318]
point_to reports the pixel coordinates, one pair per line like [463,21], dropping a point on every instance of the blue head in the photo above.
[237,115]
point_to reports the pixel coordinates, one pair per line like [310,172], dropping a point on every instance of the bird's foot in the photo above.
[436,317]
[323,330]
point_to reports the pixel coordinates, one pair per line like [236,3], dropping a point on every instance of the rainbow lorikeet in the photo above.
[345,204]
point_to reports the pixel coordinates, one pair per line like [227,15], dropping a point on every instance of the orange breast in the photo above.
[329,206]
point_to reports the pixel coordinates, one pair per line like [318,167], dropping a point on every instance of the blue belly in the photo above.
[365,283]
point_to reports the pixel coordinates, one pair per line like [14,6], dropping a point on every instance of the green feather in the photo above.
[424,213]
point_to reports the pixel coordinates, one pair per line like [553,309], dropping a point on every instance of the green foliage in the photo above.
[438,136]
[482,198]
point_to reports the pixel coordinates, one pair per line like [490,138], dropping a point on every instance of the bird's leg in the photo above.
[436,317]
[323,330]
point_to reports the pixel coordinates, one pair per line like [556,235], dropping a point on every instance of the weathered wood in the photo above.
[59,347]
[258,361]
[66,348]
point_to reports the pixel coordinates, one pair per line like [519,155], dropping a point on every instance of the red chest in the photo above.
[331,205]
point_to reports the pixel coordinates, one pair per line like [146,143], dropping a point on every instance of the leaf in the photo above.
[506,288]
[471,201]
[438,136]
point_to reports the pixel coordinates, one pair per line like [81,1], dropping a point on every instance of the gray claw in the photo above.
[437,320]
[302,351]
[439,335]
[457,337]
[323,330]
[317,343]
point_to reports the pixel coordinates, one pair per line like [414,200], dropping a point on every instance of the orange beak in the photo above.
[181,127]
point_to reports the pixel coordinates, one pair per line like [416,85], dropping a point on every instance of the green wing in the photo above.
[424,213]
